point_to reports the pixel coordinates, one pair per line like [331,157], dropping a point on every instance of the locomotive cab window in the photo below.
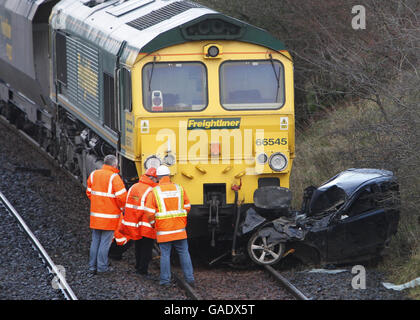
[252,85]
[171,87]
[125,89]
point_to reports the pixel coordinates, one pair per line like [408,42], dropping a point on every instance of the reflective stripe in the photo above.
[136,225]
[129,224]
[132,206]
[161,208]
[181,196]
[162,233]
[105,215]
[120,192]
[143,198]
[103,194]
[91,177]
[169,194]
[123,239]
[89,189]
[187,205]
[161,195]
[110,182]
[171,214]
[149,210]
[129,192]
[145,224]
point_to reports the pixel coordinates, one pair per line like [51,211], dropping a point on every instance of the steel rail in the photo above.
[187,288]
[52,268]
[286,284]
[178,279]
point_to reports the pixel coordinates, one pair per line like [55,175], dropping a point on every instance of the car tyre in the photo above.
[263,253]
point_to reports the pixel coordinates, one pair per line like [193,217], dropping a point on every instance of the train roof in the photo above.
[127,28]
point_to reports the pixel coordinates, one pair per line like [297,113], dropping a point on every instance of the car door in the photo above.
[358,230]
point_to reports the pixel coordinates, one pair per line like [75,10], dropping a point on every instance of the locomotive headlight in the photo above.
[278,161]
[169,160]
[152,161]
[262,158]
[212,51]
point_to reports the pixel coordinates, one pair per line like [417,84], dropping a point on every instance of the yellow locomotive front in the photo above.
[220,115]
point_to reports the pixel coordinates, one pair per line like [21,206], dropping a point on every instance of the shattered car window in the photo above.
[364,202]
[326,200]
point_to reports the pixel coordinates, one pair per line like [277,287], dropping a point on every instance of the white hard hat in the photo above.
[163,171]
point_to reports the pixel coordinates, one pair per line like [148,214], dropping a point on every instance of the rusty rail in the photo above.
[286,284]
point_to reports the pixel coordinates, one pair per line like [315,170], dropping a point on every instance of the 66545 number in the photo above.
[271,141]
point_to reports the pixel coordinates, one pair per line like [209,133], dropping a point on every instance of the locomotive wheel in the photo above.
[263,253]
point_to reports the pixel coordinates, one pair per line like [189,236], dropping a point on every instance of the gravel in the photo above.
[57,211]
[321,286]
[23,276]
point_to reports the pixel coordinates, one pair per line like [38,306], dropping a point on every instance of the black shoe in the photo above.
[91,273]
[191,284]
[147,276]
[108,271]
[151,277]
[166,284]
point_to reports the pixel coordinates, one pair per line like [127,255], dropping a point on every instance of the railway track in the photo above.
[51,266]
[299,295]
[201,292]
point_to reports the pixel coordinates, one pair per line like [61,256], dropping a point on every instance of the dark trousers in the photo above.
[116,251]
[143,249]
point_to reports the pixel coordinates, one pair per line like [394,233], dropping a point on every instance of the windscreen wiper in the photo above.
[151,73]
[277,76]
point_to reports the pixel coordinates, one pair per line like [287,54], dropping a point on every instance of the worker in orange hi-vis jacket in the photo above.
[168,206]
[135,225]
[107,195]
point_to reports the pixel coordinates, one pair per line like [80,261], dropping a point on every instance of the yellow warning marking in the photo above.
[9,51]
[6,29]
[88,79]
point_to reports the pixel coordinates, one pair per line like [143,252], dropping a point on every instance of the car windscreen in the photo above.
[170,87]
[252,85]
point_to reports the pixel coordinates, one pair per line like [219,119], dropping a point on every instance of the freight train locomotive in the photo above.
[155,82]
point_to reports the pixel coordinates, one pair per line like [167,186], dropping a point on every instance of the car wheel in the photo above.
[263,253]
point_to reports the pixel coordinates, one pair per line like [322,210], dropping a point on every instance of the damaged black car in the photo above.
[351,217]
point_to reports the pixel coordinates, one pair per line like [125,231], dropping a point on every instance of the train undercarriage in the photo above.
[74,146]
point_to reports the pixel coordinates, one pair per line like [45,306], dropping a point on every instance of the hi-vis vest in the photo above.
[107,195]
[135,223]
[171,206]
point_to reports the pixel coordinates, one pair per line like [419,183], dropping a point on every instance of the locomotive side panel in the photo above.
[24,48]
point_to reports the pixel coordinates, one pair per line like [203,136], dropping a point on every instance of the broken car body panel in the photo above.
[350,217]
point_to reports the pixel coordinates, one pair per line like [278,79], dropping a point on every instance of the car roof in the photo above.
[350,179]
